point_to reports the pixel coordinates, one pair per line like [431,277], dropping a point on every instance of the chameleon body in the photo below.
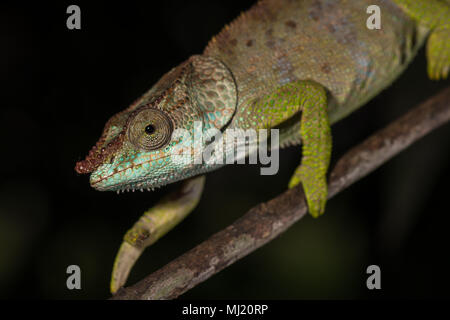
[298,66]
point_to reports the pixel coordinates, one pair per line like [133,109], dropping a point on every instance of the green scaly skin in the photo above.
[298,66]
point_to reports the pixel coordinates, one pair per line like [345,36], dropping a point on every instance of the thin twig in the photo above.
[268,220]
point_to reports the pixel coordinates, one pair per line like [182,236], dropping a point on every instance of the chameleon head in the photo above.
[136,147]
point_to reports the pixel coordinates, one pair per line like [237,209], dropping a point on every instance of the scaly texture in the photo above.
[298,66]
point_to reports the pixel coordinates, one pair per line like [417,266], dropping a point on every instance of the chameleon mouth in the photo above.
[112,183]
[103,179]
[130,186]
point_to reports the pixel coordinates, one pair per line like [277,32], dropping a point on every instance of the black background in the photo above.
[59,87]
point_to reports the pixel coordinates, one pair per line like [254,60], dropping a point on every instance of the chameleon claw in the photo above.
[438,53]
[295,180]
[315,188]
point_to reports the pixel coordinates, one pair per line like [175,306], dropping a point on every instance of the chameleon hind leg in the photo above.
[310,99]
[434,14]
[152,225]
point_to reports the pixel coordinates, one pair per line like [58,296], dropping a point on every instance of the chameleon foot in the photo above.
[435,15]
[315,188]
[438,53]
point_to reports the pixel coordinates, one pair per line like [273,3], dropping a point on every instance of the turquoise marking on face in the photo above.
[201,89]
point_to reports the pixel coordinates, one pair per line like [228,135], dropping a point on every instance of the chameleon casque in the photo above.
[298,66]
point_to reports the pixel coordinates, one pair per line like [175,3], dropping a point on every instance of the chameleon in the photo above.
[297,66]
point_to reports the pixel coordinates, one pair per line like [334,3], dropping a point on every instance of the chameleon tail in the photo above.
[153,224]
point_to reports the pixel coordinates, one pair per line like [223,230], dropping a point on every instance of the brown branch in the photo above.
[268,220]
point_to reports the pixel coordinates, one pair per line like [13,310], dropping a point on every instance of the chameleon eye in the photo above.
[150,129]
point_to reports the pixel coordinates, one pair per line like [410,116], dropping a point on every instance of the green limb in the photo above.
[435,15]
[438,53]
[315,132]
[153,224]
[309,98]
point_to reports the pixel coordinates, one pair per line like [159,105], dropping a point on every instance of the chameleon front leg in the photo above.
[310,99]
[434,14]
[315,133]
[153,224]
